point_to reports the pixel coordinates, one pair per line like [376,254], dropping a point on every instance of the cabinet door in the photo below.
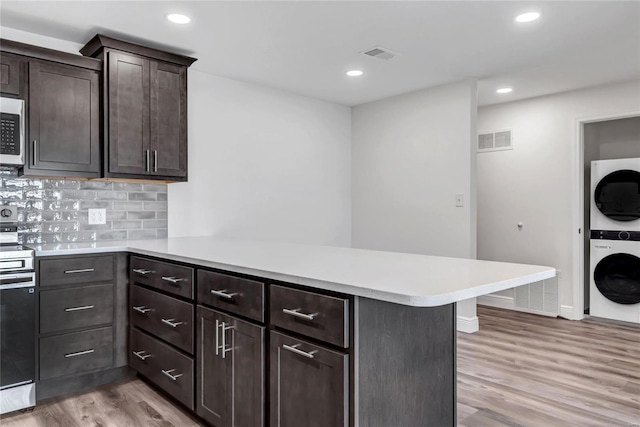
[128,82]
[64,118]
[168,119]
[308,384]
[231,370]
[10,74]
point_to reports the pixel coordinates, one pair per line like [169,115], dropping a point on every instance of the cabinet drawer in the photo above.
[317,316]
[76,352]
[235,294]
[165,317]
[162,364]
[75,308]
[70,271]
[171,278]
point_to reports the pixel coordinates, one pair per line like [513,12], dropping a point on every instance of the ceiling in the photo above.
[307,46]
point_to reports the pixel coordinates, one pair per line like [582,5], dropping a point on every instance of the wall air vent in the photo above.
[380,53]
[495,141]
[539,298]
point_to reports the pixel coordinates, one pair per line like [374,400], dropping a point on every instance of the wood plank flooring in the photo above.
[526,370]
[130,403]
[519,370]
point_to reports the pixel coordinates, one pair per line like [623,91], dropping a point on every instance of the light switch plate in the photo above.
[97,216]
[459,200]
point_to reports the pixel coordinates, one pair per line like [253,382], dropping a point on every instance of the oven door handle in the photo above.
[16,281]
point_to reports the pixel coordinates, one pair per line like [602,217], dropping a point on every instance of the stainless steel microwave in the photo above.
[11,132]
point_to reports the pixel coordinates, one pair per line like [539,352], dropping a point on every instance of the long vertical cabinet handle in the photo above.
[148,160]
[35,152]
[155,160]
[223,347]
[217,336]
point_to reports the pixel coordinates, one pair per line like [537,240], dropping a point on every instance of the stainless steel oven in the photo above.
[17,318]
[11,132]
[17,340]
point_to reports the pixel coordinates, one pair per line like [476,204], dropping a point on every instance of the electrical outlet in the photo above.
[97,216]
[459,200]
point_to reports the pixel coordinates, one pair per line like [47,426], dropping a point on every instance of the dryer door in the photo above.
[617,277]
[617,195]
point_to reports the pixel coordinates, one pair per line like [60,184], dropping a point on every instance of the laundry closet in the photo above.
[612,219]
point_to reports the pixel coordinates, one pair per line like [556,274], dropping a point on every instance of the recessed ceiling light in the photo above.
[178,18]
[527,17]
[504,90]
[354,73]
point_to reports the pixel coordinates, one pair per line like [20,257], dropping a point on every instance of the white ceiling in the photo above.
[306,46]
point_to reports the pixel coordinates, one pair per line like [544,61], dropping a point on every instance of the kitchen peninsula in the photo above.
[286,334]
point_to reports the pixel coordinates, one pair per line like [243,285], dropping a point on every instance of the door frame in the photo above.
[578,211]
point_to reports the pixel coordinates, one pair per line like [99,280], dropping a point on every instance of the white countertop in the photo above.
[415,280]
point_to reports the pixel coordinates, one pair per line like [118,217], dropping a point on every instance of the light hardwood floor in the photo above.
[124,404]
[519,370]
[526,370]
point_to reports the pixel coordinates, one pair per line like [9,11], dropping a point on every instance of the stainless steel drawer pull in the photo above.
[141,354]
[168,373]
[223,294]
[171,322]
[82,270]
[79,353]
[148,160]
[142,271]
[141,309]
[294,349]
[173,279]
[84,307]
[296,313]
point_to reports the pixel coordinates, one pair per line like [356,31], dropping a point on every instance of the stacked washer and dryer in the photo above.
[615,240]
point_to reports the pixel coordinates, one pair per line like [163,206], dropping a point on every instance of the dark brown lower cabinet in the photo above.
[165,366]
[76,352]
[230,383]
[309,384]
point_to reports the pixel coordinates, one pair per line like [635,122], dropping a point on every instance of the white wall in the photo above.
[263,164]
[39,40]
[536,181]
[411,154]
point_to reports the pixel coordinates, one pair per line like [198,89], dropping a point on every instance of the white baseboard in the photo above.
[499,301]
[467,325]
[566,311]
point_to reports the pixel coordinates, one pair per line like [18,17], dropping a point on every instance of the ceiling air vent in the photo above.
[495,141]
[380,53]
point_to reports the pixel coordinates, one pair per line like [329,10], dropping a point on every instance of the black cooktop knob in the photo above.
[5,213]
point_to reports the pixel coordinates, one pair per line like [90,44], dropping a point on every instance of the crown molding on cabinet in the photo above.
[46,54]
[100,42]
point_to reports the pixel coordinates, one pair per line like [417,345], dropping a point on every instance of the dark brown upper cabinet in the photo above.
[62,107]
[11,75]
[145,110]
[129,151]
[63,120]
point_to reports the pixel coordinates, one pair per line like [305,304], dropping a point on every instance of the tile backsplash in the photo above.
[56,210]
